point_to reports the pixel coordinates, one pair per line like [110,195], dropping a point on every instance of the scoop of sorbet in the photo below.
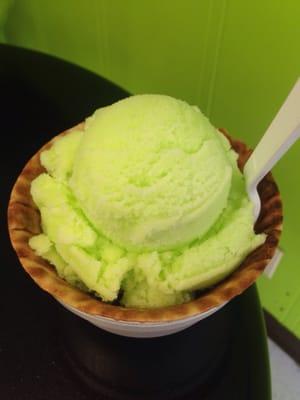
[146,204]
[151,172]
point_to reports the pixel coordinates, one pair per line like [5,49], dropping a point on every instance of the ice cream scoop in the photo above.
[151,172]
[146,204]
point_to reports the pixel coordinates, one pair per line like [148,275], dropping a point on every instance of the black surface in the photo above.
[150,369]
[45,352]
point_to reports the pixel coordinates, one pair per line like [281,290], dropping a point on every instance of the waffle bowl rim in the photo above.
[24,222]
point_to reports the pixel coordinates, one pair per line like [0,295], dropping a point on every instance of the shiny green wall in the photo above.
[236,59]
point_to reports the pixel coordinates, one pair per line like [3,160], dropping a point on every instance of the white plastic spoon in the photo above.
[279,137]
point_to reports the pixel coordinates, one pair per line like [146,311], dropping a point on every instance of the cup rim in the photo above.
[24,222]
[138,324]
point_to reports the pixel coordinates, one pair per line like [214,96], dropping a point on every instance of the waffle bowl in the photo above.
[24,222]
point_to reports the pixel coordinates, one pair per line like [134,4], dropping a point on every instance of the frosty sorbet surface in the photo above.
[145,205]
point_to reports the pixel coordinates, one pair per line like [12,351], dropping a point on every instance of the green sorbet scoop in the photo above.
[145,205]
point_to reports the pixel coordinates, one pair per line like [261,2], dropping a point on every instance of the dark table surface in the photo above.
[47,353]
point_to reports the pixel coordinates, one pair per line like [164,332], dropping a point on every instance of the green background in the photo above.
[236,59]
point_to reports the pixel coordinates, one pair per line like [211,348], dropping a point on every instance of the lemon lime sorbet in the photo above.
[145,205]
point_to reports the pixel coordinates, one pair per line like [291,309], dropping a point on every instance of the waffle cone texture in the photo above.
[24,222]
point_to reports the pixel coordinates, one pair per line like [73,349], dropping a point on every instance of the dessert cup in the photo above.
[24,222]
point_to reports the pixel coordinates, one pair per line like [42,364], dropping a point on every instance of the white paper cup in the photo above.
[141,329]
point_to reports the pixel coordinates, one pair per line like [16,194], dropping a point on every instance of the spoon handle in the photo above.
[279,137]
